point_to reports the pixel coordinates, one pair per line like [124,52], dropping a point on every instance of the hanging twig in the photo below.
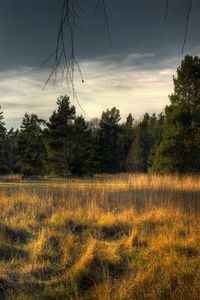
[97,6]
[187,21]
[63,57]
[166,10]
[105,16]
[187,25]
[107,23]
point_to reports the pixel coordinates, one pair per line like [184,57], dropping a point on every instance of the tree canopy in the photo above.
[179,150]
[68,145]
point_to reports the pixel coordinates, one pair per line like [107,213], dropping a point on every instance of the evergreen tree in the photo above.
[12,150]
[107,141]
[3,160]
[81,148]
[140,148]
[129,121]
[30,147]
[126,138]
[156,132]
[59,138]
[135,159]
[146,135]
[179,150]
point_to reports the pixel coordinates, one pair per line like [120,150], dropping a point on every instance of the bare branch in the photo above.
[63,57]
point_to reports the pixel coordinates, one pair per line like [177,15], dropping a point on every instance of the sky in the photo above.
[135,74]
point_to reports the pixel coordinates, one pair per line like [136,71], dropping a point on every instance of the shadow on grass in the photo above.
[14,235]
[9,252]
[187,251]
[103,232]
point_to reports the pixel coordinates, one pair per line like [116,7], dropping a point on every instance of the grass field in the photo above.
[117,238]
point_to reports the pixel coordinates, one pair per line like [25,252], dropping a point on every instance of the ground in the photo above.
[107,238]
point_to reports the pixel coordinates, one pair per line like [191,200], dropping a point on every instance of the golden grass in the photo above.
[124,237]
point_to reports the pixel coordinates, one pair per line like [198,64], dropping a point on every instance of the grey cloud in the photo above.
[140,55]
[132,89]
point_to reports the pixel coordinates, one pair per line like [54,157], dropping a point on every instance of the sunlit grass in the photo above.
[123,237]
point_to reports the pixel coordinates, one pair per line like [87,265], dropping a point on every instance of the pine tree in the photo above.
[80,163]
[156,132]
[12,149]
[179,150]
[135,159]
[107,142]
[146,135]
[30,147]
[3,160]
[59,138]
[126,138]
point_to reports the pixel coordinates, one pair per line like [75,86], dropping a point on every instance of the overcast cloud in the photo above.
[135,74]
[108,82]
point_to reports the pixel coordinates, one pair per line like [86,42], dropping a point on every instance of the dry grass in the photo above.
[125,237]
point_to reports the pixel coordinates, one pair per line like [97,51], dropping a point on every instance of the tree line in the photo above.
[67,145]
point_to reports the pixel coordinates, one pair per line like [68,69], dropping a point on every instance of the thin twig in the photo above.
[63,57]
[107,23]
[187,25]
[97,6]
[166,10]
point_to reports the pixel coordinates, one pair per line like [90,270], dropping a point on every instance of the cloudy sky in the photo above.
[135,74]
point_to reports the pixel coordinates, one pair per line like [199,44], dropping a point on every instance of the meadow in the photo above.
[107,238]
